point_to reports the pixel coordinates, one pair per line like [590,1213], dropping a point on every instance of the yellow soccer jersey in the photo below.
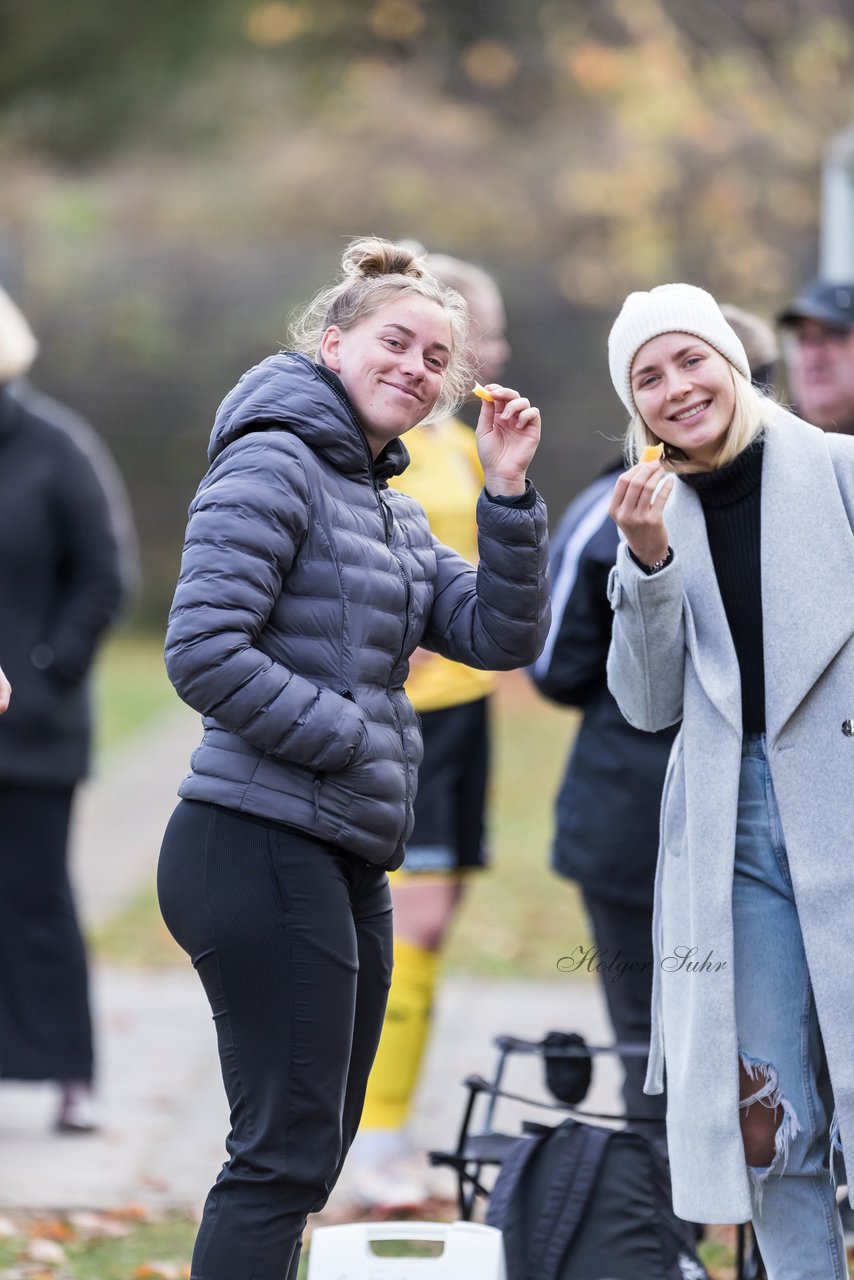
[445,476]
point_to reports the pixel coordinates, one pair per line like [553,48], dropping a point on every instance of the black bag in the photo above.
[581,1202]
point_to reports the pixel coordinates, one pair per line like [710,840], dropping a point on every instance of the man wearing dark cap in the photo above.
[819,349]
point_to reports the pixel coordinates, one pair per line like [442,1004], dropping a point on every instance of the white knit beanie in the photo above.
[670,308]
[18,347]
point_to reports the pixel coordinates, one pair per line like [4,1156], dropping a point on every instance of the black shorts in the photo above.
[449,808]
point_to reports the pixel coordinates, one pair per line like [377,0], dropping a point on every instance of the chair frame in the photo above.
[487,1146]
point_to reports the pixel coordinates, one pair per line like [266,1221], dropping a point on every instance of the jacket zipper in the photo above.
[401,566]
[384,513]
[407,601]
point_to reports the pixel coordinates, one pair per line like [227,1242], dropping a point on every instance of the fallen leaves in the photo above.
[53,1229]
[99,1226]
[39,1246]
[161,1271]
[48,1251]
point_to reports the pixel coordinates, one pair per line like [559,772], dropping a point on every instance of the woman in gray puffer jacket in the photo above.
[305,585]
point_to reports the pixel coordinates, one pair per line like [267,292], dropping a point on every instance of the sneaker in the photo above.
[383,1171]
[392,1189]
[78,1110]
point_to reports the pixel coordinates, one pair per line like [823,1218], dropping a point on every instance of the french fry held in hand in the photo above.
[482,392]
[652,453]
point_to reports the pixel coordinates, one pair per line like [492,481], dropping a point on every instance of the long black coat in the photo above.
[64,542]
[607,813]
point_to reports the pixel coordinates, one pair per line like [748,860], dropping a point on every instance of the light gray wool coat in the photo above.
[305,585]
[672,656]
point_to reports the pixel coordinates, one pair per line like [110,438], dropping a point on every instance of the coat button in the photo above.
[848,728]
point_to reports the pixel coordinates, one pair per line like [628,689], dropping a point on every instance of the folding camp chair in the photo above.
[481,1146]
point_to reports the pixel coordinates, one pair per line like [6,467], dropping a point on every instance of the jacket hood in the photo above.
[289,392]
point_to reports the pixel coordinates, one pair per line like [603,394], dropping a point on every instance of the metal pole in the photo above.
[836,252]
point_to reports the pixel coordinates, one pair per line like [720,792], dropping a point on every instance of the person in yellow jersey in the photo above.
[448,839]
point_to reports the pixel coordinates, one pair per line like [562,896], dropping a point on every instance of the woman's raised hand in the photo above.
[508,432]
[637,508]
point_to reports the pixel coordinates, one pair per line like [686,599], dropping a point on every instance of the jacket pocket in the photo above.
[368,796]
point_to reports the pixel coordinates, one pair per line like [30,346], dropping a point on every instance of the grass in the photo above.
[108,1246]
[136,937]
[131,688]
[519,918]
[117,1246]
[130,1245]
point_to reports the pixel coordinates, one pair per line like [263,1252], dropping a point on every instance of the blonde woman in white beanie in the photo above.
[733,612]
[5,692]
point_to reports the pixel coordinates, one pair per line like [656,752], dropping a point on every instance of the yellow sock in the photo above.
[404,1038]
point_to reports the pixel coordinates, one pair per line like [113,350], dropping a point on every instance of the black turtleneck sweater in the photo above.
[730,498]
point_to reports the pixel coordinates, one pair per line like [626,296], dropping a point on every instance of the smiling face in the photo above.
[392,363]
[683,390]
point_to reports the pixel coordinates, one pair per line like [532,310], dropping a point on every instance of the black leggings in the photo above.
[292,940]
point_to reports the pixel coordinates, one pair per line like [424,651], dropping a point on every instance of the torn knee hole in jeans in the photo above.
[769,1094]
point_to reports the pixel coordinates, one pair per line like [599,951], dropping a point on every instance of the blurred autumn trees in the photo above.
[178,174]
[625,140]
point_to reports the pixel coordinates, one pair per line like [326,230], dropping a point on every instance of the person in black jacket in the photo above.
[606,836]
[607,811]
[64,531]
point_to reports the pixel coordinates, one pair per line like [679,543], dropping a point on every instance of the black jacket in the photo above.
[607,813]
[64,557]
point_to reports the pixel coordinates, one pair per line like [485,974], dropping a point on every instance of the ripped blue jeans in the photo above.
[795,1216]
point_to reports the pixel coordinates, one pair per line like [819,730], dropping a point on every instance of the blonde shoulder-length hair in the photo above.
[749,418]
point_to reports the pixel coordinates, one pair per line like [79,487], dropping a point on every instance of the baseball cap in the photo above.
[831,304]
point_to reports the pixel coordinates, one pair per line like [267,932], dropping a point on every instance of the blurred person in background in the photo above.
[65,534]
[818,343]
[607,809]
[5,692]
[448,839]
[760,344]
[306,583]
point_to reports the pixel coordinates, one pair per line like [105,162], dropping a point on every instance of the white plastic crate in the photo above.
[344,1253]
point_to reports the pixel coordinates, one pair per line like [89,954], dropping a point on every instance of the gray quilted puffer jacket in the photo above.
[305,585]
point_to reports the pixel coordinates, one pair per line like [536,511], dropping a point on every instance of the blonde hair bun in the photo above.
[370,257]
